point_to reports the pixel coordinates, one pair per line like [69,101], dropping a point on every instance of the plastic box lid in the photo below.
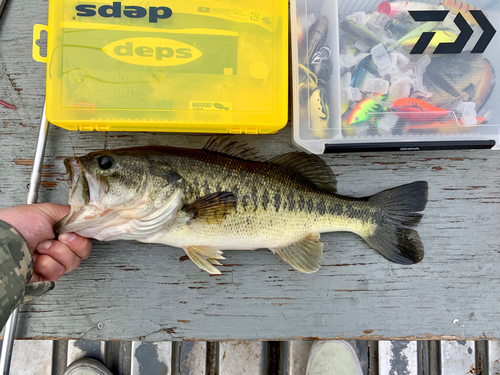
[181,65]
[395,75]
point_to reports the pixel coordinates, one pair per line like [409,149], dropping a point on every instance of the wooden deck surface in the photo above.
[133,291]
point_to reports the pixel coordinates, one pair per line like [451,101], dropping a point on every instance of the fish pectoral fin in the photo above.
[305,255]
[212,208]
[205,258]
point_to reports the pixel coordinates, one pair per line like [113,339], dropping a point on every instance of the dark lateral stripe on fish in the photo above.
[277,201]
[291,201]
[244,201]
[321,207]
[254,196]
[301,202]
[310,205]
[335,209]
[266,199]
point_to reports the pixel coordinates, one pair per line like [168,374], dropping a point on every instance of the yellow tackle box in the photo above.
[182,65]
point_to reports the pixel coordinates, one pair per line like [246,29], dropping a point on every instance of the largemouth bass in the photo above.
[223,197]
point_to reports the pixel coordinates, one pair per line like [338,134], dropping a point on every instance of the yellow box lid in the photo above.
[181,65]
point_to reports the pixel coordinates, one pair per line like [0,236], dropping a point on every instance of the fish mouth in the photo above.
[79,198]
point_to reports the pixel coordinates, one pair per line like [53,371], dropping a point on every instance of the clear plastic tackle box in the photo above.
[181,65]
[395,75]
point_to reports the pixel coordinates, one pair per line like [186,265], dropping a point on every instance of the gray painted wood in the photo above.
[397,358]
[298,355]
[151,358]
[242,357]
[458,358]
[78,349]
[193,358]
[148,292]
[32,357]
[494,357]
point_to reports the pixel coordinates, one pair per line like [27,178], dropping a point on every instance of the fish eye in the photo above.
[356,119]
[105,162]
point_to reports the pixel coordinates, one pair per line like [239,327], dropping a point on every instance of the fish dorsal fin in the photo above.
[205,257]
[311,167]
[305,256]
[224,145]
[212,208]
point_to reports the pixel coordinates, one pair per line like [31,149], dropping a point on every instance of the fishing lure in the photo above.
[362,33]
[398,8]
[320,114]
[396,28]
[440,36]
[417,110]
[359,114]
[405,108]
[444,126]
[317,101]
[417,33]
[462,7]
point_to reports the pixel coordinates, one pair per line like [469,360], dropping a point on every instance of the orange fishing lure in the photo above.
[457,6]
[417,110]
[445,126]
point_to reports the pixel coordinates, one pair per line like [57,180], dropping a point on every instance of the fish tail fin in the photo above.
[399,209]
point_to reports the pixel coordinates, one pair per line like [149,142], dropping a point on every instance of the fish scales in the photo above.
[206,201]
[297,208]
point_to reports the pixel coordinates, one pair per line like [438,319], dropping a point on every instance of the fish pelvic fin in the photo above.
[393,238]
[305,255]
[212,208]
[205,257]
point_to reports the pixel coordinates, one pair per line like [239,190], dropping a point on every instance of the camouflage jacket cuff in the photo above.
[16,268]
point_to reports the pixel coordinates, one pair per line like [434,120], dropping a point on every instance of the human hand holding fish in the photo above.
[52,257]
[224,197]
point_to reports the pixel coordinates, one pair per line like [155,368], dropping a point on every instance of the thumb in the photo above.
[55,211]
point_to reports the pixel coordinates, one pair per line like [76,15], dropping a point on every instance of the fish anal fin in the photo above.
[305,255]
[205,258]
[225,145]
[212,208]
[311,167]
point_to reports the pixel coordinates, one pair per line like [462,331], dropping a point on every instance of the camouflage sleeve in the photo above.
[16,269]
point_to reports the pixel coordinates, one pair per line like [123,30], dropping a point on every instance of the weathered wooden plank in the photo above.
[78,349]
[151,358]
[494,357]
[193,358]
[148,292]
[32,357]
[458,358]
[298,355]
[397,357]
[243,357]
